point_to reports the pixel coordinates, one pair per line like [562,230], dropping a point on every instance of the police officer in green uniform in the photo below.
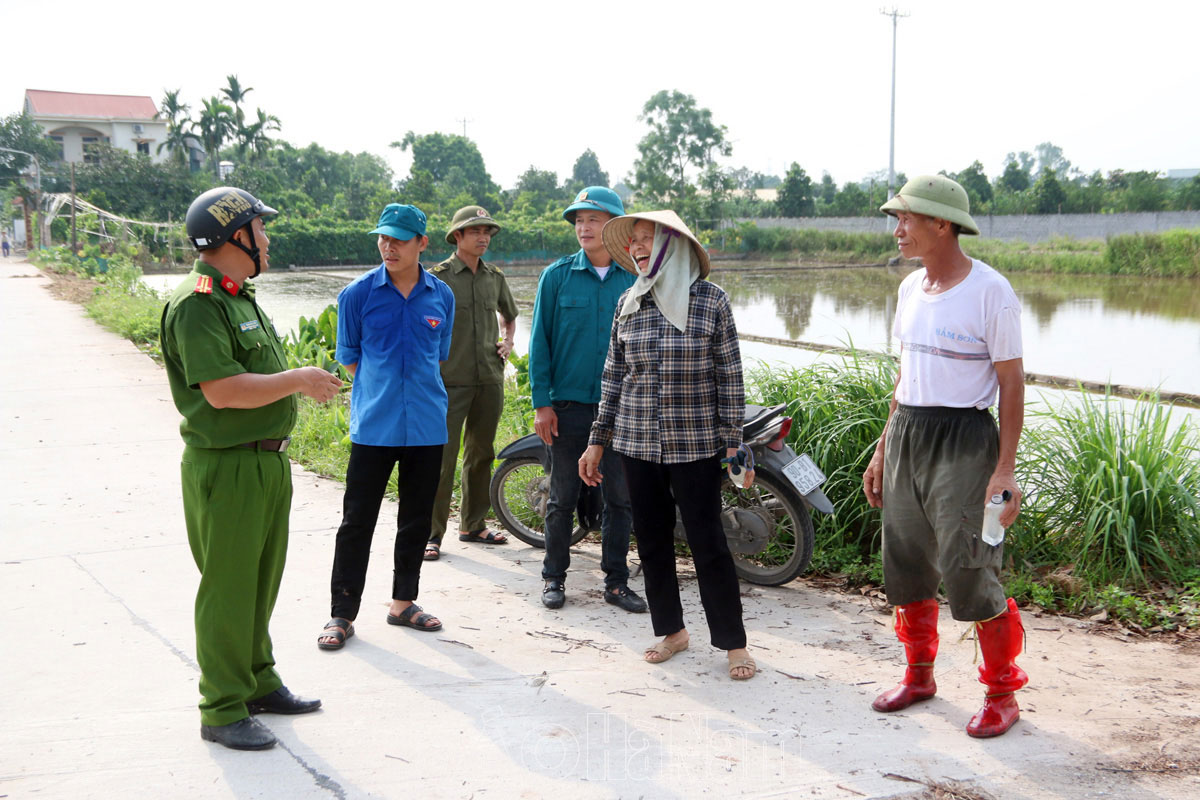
[473,374]
[229,379]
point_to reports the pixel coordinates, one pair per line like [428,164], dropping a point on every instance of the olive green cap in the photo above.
[469,217]
[934,196]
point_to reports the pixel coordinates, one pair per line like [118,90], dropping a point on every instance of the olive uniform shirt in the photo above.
[477,297]
[213,329]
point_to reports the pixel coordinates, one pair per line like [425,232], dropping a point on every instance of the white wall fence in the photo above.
[1030,228]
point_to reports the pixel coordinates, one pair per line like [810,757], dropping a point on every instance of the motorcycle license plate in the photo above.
[804,474]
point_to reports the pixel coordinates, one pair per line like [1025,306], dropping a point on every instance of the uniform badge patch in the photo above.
[228,285]
[203,285]
[249,325]
[433,322]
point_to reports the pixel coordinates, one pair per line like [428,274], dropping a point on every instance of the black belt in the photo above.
[270,445]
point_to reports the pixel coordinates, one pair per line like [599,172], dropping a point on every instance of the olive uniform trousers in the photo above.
[479,408]
[236,504]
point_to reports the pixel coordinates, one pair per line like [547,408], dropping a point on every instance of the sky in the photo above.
[1113,84]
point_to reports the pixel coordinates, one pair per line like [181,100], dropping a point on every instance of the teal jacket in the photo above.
[572,322]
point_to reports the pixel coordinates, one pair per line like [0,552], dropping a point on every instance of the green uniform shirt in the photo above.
[477,297]
[208,333]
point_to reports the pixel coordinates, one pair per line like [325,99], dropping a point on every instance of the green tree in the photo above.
[587,172]
[214,126]
[1048,193]
[682,137]
[1144,191]
[253,138]
[235,93]
[1015,177]
[1187,195]
[441,153]
[795,197]
[178,125]
[975,181]
[134,186]
[20,132]
[828,189]
[538,189]
[851,201]
[1050,156]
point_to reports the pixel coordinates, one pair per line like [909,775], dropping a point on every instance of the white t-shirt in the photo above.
[950,340]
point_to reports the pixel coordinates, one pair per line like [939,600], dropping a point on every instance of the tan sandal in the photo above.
[739,663]
[664,652]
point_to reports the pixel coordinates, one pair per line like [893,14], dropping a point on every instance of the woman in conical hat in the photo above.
[672,404]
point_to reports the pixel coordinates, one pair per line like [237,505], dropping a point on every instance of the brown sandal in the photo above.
[664,650]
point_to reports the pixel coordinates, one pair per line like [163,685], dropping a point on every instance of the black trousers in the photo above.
[654,490]
[366,481]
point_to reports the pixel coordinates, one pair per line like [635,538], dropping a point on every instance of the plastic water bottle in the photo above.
[993,531]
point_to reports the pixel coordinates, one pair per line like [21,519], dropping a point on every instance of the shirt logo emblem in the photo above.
[228,285]
[582,196]
[249,325]
[433,322]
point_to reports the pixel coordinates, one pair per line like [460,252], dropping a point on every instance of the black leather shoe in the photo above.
[626,598]
[245,734]
[554,595]
[282,701]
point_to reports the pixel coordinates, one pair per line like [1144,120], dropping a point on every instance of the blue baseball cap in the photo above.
[596,198]
[401,222]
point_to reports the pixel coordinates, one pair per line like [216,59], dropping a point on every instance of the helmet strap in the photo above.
[252,250]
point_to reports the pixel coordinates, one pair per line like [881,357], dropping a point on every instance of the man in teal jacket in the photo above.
[572,321]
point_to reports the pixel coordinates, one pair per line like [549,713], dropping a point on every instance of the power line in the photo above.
[895,14]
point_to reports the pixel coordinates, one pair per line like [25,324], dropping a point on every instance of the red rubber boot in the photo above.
[1001,640]
[916,628]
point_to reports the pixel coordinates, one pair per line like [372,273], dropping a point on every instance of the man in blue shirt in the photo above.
[572,321]
[394,327]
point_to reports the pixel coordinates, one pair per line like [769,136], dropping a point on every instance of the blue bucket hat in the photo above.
[401,222]
[596,198]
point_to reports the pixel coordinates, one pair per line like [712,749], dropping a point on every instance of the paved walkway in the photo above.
[507,701]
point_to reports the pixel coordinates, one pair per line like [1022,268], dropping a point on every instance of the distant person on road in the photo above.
[572,318]
[394,326]
[229,379]
[4,242]
[941,457]
[473,374]
[672,403]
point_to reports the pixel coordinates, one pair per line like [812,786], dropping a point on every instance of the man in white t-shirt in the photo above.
[941,457]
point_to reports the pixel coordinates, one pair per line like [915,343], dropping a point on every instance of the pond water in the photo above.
[1136,332]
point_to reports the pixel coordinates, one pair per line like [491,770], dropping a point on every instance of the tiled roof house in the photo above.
[75,121]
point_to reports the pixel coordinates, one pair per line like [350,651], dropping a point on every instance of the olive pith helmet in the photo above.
[934,196]
[595,198]
[217,214]
[470,217]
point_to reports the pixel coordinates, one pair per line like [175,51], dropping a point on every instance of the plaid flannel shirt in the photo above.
[668,396]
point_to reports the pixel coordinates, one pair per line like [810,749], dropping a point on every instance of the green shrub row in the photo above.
[1169,254]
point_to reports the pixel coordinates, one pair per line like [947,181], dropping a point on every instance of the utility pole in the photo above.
[74,239]
[895,15]
[464,124]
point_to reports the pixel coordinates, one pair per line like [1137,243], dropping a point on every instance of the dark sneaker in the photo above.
[626,598]
[554,595]
[245,734]
[282,701]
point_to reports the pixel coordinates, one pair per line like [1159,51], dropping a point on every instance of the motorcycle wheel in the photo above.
[520,494]
[789,545]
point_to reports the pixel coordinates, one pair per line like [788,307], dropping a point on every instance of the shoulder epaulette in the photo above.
[203,285]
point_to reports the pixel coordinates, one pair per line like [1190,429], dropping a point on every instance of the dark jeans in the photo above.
[574,428]
[696,485]
[366,480]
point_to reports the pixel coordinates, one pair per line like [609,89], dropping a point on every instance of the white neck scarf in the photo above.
[669,284]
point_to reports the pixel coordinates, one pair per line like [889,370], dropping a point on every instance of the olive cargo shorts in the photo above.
[937,462]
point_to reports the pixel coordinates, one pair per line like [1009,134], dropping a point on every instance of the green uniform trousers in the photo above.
[936,466]
[236,504]
[479,407]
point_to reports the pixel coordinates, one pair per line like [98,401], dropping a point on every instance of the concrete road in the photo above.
[509,700]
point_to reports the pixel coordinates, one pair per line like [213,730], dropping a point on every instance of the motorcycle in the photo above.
[768,526]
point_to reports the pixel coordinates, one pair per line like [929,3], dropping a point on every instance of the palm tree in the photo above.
[215,125]
[178,125]
[254,136]
[235,93]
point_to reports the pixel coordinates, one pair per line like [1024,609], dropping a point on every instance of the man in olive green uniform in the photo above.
[229,379]
[473,375]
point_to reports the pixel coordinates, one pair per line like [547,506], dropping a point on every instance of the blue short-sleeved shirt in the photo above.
[398,399]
